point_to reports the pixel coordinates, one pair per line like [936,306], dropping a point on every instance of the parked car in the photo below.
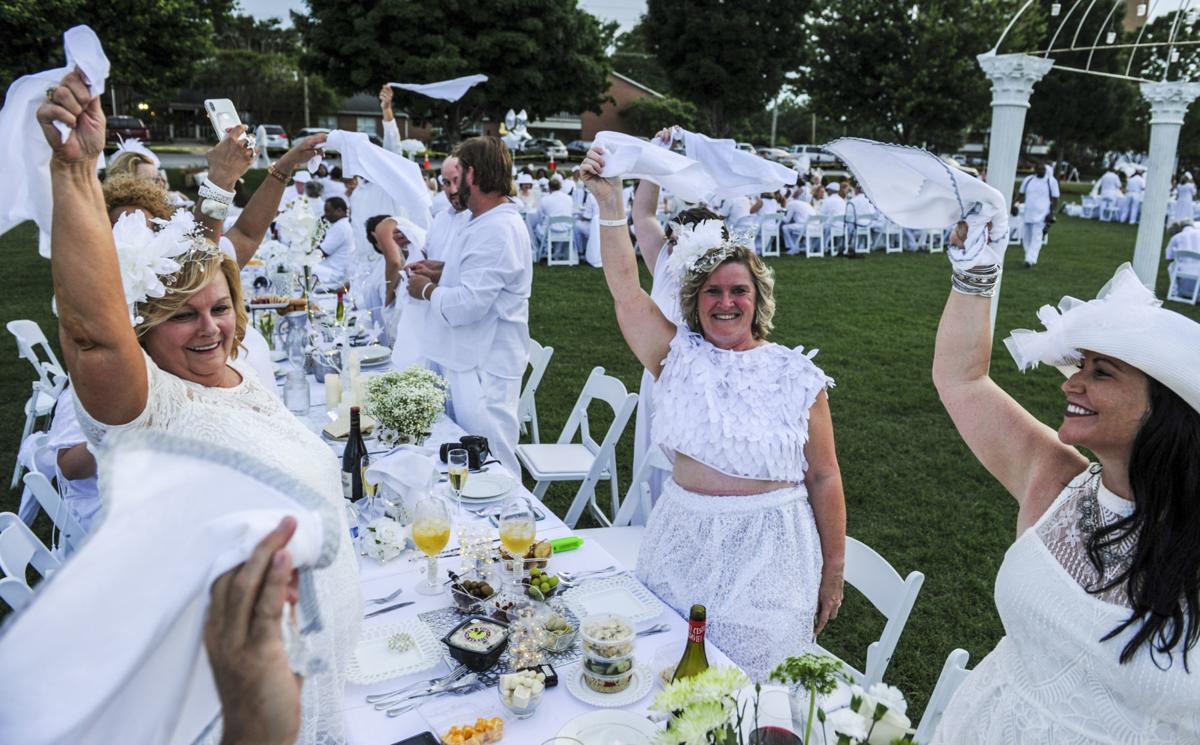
[776,154]
[745,146]
[579,147]
[815,154]
[310,131]
[126,127]
[277,137]
[545,146]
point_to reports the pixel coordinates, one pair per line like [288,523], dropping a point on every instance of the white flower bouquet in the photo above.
[406,404]
[876,716]
[703,708]
[410,147]
[301,230]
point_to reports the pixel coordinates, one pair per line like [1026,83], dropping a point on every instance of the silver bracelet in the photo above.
[622,223]
[424,295]
[978,280]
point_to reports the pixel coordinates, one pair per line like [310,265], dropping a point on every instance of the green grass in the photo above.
[913,491]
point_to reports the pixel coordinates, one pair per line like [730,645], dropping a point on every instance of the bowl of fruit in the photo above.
[540,584]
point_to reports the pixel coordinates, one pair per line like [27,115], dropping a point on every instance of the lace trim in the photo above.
[741,413]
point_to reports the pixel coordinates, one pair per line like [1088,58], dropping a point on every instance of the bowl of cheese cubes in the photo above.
[521,692]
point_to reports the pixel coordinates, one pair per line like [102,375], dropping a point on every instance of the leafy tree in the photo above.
[728,58]
[794,125]
[151,45]
[646,116]
[905,72]
[546,56]
[1153,64]
[632,58]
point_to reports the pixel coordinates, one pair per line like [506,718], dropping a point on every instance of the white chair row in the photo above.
[51,379]
[20,549]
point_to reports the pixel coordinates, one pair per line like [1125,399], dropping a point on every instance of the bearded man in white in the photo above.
[1041,196]
[477,331]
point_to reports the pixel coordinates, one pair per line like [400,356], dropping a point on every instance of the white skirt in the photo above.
[754,562]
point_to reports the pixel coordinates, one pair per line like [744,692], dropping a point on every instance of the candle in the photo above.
[333,390]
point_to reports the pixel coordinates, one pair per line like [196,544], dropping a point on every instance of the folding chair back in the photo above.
[539,360]
[560,230]
[814,232]
[50,500]
[954,672]
[50,372]
[768,234]
[1175,291]
[21,549]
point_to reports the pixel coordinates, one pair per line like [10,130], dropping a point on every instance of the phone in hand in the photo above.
[222,114]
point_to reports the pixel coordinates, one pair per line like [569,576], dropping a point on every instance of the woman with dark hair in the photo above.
[755,492]
[1100,593]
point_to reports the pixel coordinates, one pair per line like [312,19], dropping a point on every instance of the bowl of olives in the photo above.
[470,593]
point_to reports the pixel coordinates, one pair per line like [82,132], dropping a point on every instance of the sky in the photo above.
[624,12]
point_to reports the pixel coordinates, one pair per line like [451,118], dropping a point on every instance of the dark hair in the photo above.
[336,173]
[1162,580]
[695,216]
[555,184]
[372,223]
[491,161]
[338,203]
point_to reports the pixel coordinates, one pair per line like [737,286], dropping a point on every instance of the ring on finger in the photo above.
[50,93]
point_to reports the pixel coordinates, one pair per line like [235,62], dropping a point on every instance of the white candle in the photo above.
[333,390]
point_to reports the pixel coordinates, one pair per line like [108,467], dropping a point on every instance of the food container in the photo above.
[557,640]
[477,642]
[607,665]
[607,683]
[607,636]
[466,602]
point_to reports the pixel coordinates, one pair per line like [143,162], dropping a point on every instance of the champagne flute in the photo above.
[518,529]
[431,533]
[457,470]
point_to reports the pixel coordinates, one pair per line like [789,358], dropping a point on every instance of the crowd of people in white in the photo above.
[1099,594]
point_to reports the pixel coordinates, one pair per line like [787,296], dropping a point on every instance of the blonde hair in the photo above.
[127,190]
[126,163]
[200,266]
[761,276]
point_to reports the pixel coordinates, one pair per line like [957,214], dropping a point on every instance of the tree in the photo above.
[545,56]
[1155,63]
[905,72]
[632,58]
[728,58]
[646,116]
[150,44]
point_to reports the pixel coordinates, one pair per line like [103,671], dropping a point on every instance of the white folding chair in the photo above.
[892,232]
[539,360]
[863,225]
[623,539]
[768,235]
[51,379]
[587,461]
[20,549]
[814,230]
[954,672]
[1089,208]
[836,229]
[935,240]
[558,231]
[1108,209]
[1174,292]
[70,532]
[874,577]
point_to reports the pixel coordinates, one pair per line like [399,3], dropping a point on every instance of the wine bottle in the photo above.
[356,450]
[694,660]
[340,314]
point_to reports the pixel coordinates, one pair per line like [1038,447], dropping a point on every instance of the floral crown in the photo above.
[151,260]
[699,248]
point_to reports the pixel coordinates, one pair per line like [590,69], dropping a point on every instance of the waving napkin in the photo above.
[736,172]
[398,177]
[447,90]
[111,648]
[916,189]
[23,149]
[628,157]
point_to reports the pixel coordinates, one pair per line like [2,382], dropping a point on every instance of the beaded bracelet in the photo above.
[274,172]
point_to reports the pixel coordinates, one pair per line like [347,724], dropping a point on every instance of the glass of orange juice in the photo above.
[431,533]
[518,530]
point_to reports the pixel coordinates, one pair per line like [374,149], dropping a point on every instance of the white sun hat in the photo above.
[302,177]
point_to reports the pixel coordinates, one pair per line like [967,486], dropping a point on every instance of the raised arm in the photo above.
[650,235]
[646,330]
[1024,455]
[228,161]
[107,367]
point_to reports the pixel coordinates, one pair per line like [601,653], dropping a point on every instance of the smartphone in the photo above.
[222,114]
[425,738]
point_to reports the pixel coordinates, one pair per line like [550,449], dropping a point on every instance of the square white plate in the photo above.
[373,662]
[621,594]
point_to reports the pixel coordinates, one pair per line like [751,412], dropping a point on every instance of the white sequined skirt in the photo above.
[753,561]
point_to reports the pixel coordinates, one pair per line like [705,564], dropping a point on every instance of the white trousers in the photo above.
[1031,239]
[485,404]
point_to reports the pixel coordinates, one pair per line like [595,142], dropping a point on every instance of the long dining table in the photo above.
[368,726]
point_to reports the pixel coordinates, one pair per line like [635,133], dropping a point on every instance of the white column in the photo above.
[1168,104]
[1013,77]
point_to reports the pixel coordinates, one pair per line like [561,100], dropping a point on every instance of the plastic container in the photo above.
[606,636]
[607,665]
[607,683]
[483,641]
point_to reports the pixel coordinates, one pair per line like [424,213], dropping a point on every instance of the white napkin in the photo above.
[399,178]
[409,473]
[118,631]
[447,90]
[918,190]
[628,157]
[736,172]
[24,150]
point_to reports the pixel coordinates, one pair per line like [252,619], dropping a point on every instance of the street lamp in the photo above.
[143,106]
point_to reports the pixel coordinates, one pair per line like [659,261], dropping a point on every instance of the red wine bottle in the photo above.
[352,457]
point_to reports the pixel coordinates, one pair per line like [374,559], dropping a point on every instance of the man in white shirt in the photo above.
[442,201]
[1041,197]
[833,205]
[1135,190]
[795,220]
[478,297]
[557,203]
[337,246]
[446,219]
[585,210]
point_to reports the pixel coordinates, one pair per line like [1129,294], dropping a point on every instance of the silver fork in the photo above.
[386,598]
[450,677]
[469,684]
[652,630]
[576,576]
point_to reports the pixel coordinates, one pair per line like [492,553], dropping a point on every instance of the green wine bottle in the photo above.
[694,660]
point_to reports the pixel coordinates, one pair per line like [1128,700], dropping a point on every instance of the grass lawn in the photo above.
[913,491]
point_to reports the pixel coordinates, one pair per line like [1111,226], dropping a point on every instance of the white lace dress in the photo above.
[250,418]
[1050,680]
[753,561]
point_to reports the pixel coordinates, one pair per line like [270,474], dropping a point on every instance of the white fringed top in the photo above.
[744,414]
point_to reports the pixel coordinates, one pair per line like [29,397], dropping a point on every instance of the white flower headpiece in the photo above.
[149,258]
[134,145]
[699,247]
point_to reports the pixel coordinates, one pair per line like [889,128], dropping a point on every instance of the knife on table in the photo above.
[374,613]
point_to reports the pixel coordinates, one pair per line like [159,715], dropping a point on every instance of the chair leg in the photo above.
[30,417]
[539,490]
[533,424]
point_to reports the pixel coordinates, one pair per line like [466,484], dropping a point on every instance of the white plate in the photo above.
[643,681]
[607,727]
[621,594]
[373,662]
[374,354]
[487,486]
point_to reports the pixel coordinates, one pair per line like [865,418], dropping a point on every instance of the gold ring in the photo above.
[50,93]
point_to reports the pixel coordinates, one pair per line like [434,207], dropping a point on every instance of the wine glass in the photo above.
[457,470]
[431,533]
[518,529]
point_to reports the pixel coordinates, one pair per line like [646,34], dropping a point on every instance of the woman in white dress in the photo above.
[177,369]
[1098,594]
[751,523]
